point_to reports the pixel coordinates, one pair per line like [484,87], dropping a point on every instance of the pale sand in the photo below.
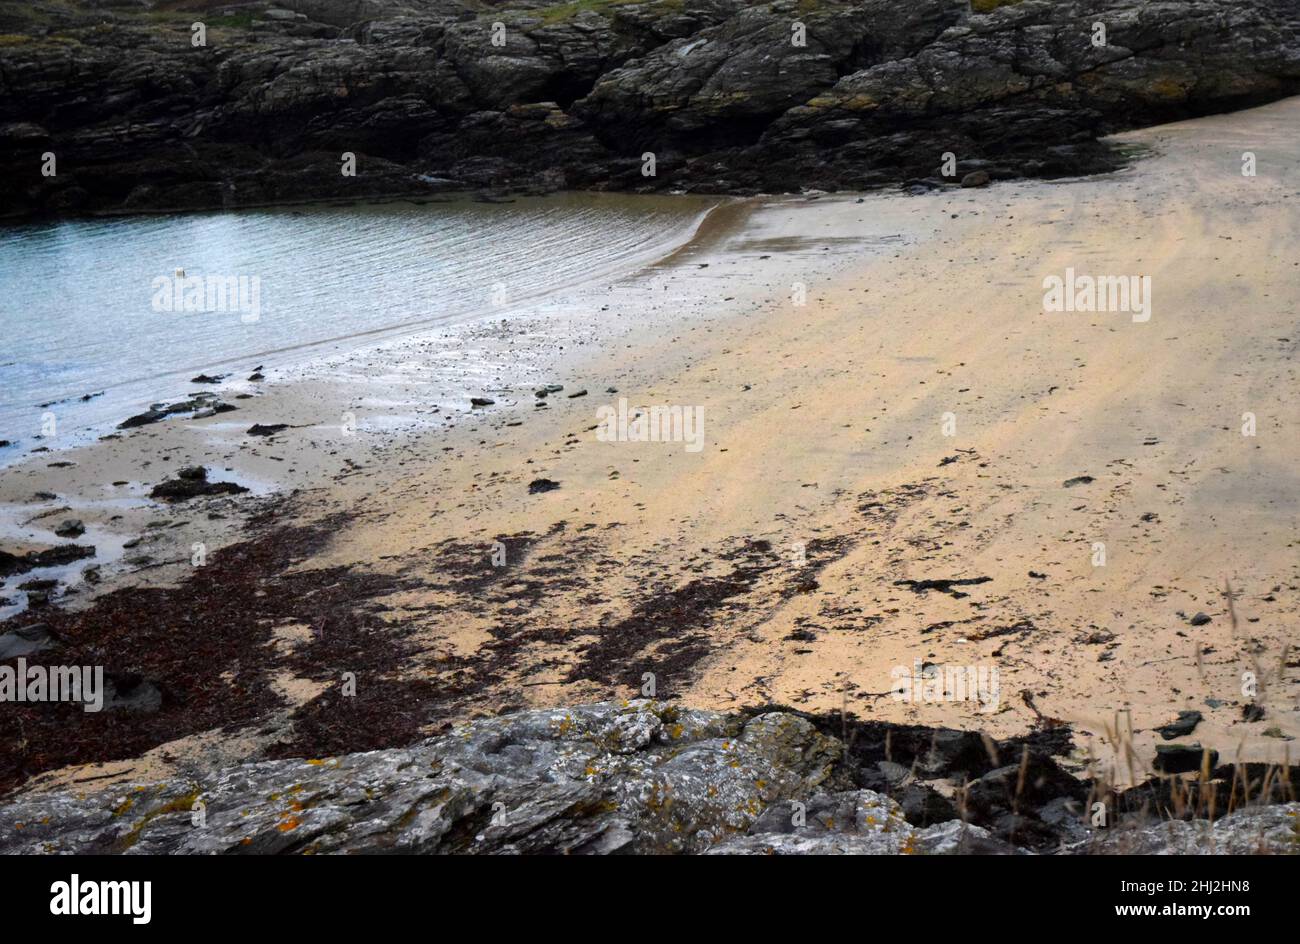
[823,428]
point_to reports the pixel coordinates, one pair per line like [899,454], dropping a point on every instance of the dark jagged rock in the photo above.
[1183,726]
[198,406]
[1183,758]
[71,528]
[25,641]
[193,482]
[52,557]
[715,89]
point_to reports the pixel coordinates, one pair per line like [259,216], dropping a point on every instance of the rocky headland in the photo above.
[728,96]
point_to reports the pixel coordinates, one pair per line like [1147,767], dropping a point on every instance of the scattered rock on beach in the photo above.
[1079,480]
[542,485]
[1182,758]
[25,641]
[481,401]
[200,405]
[1185,725]
[208,379]
[1200,619]
[142,419]
[71,528]
[53,557]
[268,429]
[38,597]
[193,483]
[976,178]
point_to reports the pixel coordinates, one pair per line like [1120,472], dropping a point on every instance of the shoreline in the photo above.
[150,389]
[822,429]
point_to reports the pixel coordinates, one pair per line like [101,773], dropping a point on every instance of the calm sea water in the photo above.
[80,301]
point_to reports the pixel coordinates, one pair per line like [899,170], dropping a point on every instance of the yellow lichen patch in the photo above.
[859,102]
[1168,88]
[124,806]
[182,804]
[288,824]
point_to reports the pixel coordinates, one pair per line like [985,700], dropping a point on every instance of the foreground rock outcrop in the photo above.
[729,96]
[641,777]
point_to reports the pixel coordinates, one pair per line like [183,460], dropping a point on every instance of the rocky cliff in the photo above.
[728,96]
[646,777]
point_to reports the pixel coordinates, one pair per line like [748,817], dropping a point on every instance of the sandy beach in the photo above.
[905,461]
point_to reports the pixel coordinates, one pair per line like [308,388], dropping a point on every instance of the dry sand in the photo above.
[765,567]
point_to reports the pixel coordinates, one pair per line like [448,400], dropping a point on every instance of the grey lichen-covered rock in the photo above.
[857,822]
[633,777]
[641,777]
[957,838]
[1256,830]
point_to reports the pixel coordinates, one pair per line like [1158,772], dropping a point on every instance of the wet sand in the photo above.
[773,565]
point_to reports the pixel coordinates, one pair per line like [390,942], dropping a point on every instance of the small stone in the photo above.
[1185,725]
[71,528]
